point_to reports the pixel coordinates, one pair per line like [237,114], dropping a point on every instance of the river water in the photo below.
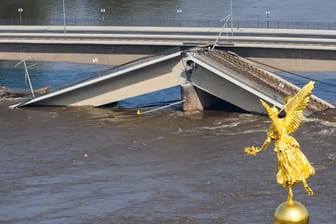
[194,12]
[109,165]
[99,165]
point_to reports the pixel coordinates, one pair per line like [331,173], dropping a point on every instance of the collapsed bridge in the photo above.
[207,76]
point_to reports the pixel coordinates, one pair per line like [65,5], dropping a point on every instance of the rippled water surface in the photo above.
[90,165]
[160,11]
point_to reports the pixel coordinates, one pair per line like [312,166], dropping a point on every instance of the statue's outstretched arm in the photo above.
[251,150]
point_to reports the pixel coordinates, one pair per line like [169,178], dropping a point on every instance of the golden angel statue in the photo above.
[293,166]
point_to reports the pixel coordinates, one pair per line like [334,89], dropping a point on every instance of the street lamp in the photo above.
[268,12]
[179,12]
[20,11]
[231,13]
[102,11]
[64,24]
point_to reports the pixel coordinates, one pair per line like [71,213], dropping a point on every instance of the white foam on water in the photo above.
[326,132]
[223,126]
[320,121]
[331,156]
[248,132]
[329,124]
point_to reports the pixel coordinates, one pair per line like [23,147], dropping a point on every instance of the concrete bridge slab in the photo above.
[133,80]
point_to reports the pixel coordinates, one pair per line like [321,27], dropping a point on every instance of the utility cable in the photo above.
[295,74]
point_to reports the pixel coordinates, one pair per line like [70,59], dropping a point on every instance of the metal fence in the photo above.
[172,22]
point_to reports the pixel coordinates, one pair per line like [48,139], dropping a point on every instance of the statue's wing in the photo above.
[273,115]
[295,106]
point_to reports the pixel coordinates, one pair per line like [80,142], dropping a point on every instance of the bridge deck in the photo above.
[278,86]
[132,79]
[287,49]
[265,84]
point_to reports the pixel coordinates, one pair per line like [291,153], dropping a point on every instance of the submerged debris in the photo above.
[10,93]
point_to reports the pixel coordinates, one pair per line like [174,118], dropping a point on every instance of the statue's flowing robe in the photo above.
[293,165]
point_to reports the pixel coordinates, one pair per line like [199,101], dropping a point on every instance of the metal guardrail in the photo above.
[285,25]
[174,23]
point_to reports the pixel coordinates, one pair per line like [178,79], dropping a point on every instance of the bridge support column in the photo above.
[192,102]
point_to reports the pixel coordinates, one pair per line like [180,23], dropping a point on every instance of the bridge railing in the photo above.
[272,24]
[261,77]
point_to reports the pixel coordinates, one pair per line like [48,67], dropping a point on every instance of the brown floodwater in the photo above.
[106,165]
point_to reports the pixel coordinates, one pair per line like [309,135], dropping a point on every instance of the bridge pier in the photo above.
[192,102]
[197,100]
